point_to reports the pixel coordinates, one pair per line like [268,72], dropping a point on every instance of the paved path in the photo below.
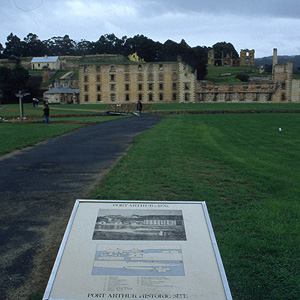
[38,187]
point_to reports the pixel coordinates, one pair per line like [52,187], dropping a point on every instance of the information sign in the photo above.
[138,250]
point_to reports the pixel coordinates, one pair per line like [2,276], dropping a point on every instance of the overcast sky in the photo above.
[247,24]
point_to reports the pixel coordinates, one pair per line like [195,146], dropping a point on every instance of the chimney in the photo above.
[275,60]
[46,74]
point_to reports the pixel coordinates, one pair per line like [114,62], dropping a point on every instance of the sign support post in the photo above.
[20,96]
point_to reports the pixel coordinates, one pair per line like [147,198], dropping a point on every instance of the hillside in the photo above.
[227,74]
[281,60]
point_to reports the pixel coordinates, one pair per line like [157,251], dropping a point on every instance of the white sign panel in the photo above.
[138,250]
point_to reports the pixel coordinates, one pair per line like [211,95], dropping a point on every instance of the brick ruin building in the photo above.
[116,79]
[246,59]
[280,87]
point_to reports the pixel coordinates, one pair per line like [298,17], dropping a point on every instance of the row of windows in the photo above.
[127,87]
[140,67]
[236,97]
[140,77]
[245,88]
[44,65]
[150,97]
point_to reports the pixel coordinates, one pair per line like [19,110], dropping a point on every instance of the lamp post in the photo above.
[20,95]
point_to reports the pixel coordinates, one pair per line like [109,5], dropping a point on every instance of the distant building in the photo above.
[112,78]
[62,95]
[280,87]
[135,57]
[50,62]
[69,79]
[115,79]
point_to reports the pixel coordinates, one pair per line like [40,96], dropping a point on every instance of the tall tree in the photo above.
[13,47]
[4,75]
[11,81]
[145,47]
[84,48]
[169,51]
[49,46]
[1,50]
[67,46]
[200,67]
[33,46]
[60,46]
[224,48]
[108,44]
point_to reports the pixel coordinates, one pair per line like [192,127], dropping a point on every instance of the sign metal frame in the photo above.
[58,261]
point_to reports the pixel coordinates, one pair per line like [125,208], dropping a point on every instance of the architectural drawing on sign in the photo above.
[139,261]
[139,225]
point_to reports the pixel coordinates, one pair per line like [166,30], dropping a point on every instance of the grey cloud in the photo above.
[275,8]
[149,8]
[247,24]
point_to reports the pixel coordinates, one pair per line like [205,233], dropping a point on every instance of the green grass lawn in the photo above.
[225,106]
[214,74]
[240,164]
[19,135]
[247,172]
[13,110]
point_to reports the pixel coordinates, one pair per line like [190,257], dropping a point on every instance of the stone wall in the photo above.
[248,92]
[247,58]
[211,58]
[117,80]
[149,82]
[295,94]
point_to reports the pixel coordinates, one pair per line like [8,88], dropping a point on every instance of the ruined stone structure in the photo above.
[46,75]
[281,87]
[247,92]
[134,57]
[283,80]
[247,58]
[226,60]
[275,60]
[116,79]
[295,93]
[211,58]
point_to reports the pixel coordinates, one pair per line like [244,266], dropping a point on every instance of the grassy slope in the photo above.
[215,72]
[226,106]
[13,110]
[21,134]
[18,135]
[248,173]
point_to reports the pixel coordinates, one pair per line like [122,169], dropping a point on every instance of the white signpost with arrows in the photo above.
[20,95]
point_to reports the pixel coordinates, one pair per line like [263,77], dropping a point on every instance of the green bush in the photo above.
[243,77]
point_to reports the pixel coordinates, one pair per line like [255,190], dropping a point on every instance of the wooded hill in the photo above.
[149,50]
[283,59]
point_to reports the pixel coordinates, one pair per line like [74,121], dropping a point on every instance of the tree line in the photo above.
[16,79]
[148,49]
[151,51]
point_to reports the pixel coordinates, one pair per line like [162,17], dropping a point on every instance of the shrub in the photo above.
[243,77]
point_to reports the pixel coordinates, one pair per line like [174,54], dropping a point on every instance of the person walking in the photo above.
[47,113]
[139,108]
[35,102]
